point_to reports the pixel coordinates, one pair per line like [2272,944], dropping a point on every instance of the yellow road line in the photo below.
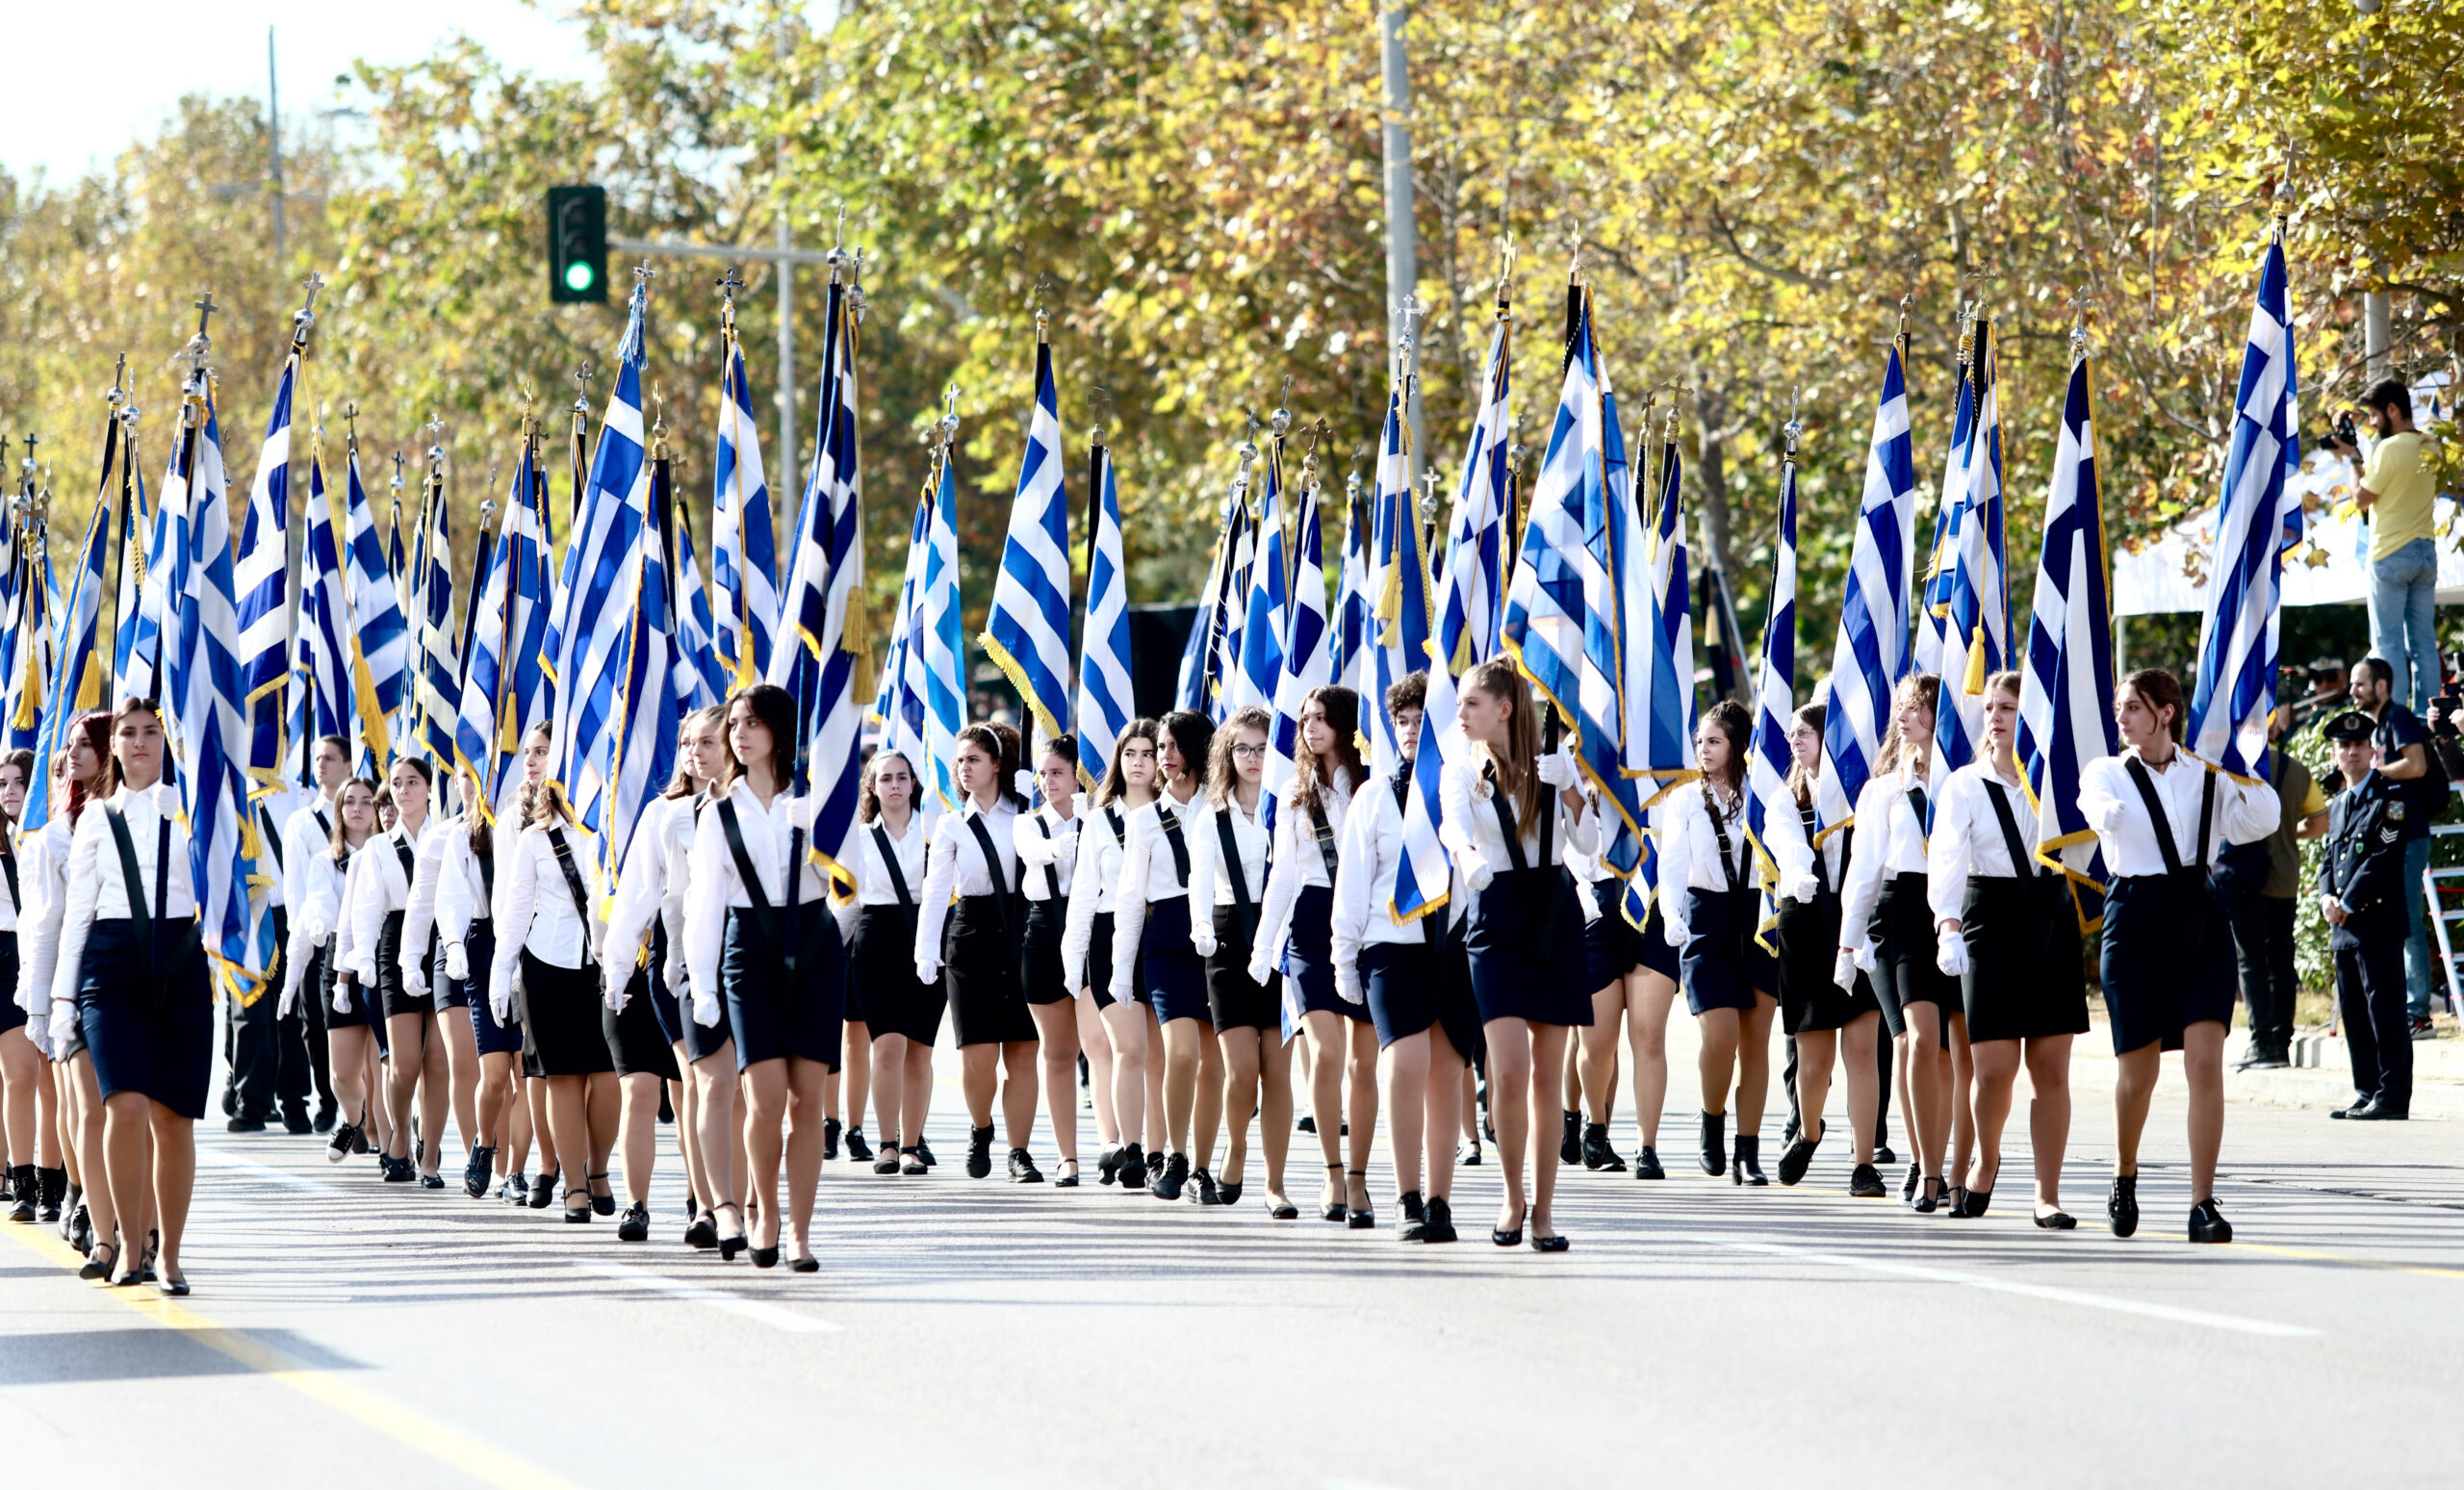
[2348,1262]
[480,1461]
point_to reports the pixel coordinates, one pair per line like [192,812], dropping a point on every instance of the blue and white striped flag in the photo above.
[135,539]
[1660,703]
[1350,617]
[1933,577]
[264,579]
[1471,599]
[744,560]
[1026,634]
[701,676]
[77,683]
[2067,689]
[1265,603]
[1302,662]
[1107,700]
[1770,806]
[440,675]
[476,722]
[379,639]
[321,684]
[30,661]
[1870,656]
[1398,615]
[1223,658]
[647,708]
[526,695]
[1976,624]
[938,646]
[2257,519]
[1193,688]
[898,702]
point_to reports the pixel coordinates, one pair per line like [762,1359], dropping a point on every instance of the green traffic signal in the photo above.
[579,276]
[578,245]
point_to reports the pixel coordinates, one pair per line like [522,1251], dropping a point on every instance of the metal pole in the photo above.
[786,272]
[273,135]
[2376,335]
[1402,270]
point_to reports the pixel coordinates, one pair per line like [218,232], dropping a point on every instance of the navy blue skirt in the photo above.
[2167,961]
[1232,1001]
[664,1005]
[1722,965]
[1172,975]
[1408,992]
[152,1032]
[479,948]
[1309,957]
[776,1015]
[1527,949]
[359,1011]
[12,1015]
[1807,938]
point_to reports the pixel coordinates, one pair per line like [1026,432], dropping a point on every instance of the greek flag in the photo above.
[1027,633]
[2257,519]
[483,669]
[1662,693]
[1107,701]
[938,646]
[263,578]
[1265,607]
[744,562]
[526,694]
[142,635]
[440,681]
[1723,636]
[128,602]
[378,638]
[1469,596]
[1976,624]
[1350,620]
[1933,604]
[702,679]
[1223,659]
[601,570]
[77,685]
[1197,656]
[899,699]
[320,692]
[1301,660]
[1397,578]
[2067,687]
[1870,656]
[647,708]
[31,643]
[1769,804]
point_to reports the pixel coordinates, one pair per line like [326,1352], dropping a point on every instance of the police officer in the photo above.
[2362,890]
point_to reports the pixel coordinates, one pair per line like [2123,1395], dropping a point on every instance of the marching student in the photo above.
[1047,843]
[308,831]
[26,1114]
[545,890]
[321,941]
[1823,1019]
[1296,933]
[1507,809]
[1713,913]
[2161,816]
[1427,1025]
[2362,893]
[1155,961]
[416,955]
[1886,873]
[131,974]
[639,1010]
[1129,1035]
[1230,849]
[973,865]
[82,774]
[378,911]
[465,928]
[530,1090]
[2009,932]
[899,1013]
[764,954]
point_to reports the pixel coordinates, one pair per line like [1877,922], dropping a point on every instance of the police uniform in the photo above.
[2363,870]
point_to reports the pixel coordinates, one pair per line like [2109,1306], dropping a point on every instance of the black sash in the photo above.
[9,864]
[273,845]
[487,882]
[776,928]
[1051,875]
[1001,891]
[2165,844]
[881,840]
[1120,830]
[2022,865]
[142,925]
[1924,811]
[1225,835]
[1729,870]
[1171,824]
[1812,824]
[1324,833]
[403,852]
[573,883]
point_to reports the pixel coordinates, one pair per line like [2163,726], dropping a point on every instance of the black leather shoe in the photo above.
[1107,1166]
[805,1264]
[295,1119]
[830,1131]
[1715,1134]
[1796,1159]
[857,1150]
[515,1190]
[1556,1243]
[1570,1147]
[1884,1158]
[1865,1183]
[1437,1220]
[1362,1218]
[475,1174]
[578,1215]
[2121,1207]
[2057,1221]
[1746,1168]
[637,1224]
[911,1162]
[2208,1224]
[1647,1164]
[702,1234]
[924,1150]
[1415,1225]
[1307,1125]
[1596,1152]
[1468,1152]
[1022,1169]
[432,1182]
[21,1192]
[399,1171]
[1973,1203]
[886,1161]
[979,1152]
[543,1189]
[1154,1168]
[2379,1112]
[1915,1177]
[327,1115]
[1129,1168]
[605,1205]
[1175,1178]
[1201,1189]
[765,1257]
[1928,1198]
[2358,1103]
[1229,1192]
[245,1123]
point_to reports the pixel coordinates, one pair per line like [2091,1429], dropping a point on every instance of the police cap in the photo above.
[2349,727]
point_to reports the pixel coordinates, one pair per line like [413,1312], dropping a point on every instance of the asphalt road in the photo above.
[979,1334]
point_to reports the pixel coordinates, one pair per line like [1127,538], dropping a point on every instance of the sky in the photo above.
[57,119]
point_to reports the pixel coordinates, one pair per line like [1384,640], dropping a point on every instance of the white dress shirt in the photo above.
[383,888]
[649,889]
[1689,851]
[1891,841]
[309,831]
[873,886]
[462,892]
[535,909]
[97,889]
[320,884]
[713,886]
[419,911]
[2245,811]
[954,868]
[1371,858]
[1966,842]
[45,872]
[1058,852]
[1148,875]
[1299,863]
[1472,837]
[1092,887]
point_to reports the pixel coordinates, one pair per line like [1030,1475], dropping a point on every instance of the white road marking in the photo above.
[206,1154]
[767,1314]
[2069,1296]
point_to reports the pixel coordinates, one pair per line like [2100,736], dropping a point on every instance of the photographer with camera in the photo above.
[2396,488]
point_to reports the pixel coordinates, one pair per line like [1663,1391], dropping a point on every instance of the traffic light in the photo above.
[578,245]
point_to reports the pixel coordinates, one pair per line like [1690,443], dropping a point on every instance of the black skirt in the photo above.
[980,968]
[1232,1001]
[777,1013]
[148,1030]
[1046,981]
[664,1005]
[1096,978]
[2024,979]
[1807,938]
[1723,965]
[393,996]
[1905,967]
[1526,946]
[883,992]
[2167,961]
[560,1029]
[634,1039]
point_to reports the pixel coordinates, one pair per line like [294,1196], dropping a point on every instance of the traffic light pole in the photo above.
[783,261]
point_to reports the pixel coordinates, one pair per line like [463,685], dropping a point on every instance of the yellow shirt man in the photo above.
[2400,486]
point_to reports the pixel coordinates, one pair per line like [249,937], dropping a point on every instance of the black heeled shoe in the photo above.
[637,1224]
[924,1151]
[1746,1168]
[1972,1204]
[1597,1155]
[1067,1178]
[2208,1223]
[543,1188]
[2121,1207]
[1865,1183]
[806,1264]
[146,1259]
[1108,1165]
[1363,1218]
[1716,1135]
[765,1256]
[1647,1165]
[578,1217]
[95,1269]
[1929,1195]
[1228,1192]
[1280,1207]
[1796,1159]
[701,1233]
[729,1248]
[886,1161]
[1502,1237]
[604,1205]
[2057,1221]
[911,1162]
[1333,1212]
[1915,1177]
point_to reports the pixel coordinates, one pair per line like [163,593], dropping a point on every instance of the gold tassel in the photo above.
[1974,683]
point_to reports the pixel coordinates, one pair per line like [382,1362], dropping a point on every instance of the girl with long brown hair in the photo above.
[1047,839]
[1131,1127]
[1230,842]
[379,912]
[82,774]
[899,1013]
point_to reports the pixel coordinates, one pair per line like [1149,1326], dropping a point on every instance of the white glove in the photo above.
[457,961]
[1024,781]
[1474,870]
[38,1035]
[1803,889]
[1950,954]
[1843,971]
[1865,957]
[1261,970]
[706,1010]
[928,969]
[1558,769]
[341,996]
[1348,987]
[289,1004]
[1675,933]
[1202,941]
[413,984]
[317,931]
[500,1002]
[63,1024]
[613,991]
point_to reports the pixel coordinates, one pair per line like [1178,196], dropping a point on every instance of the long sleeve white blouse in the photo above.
[320,883]
[1891,841]
[98,891]
[1210,877]
[45,872]
[1147,876]
[1092,886]
[1297,862]
[381,888]
[535,906]
[462,894]
[955,866]
[713,885]
[309,831]
[427,879]
[875,885]
[1471,834]
[649,886]
[2245,811]
[1689,853]
[1371,857]
[1966,842]
[1044,840]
